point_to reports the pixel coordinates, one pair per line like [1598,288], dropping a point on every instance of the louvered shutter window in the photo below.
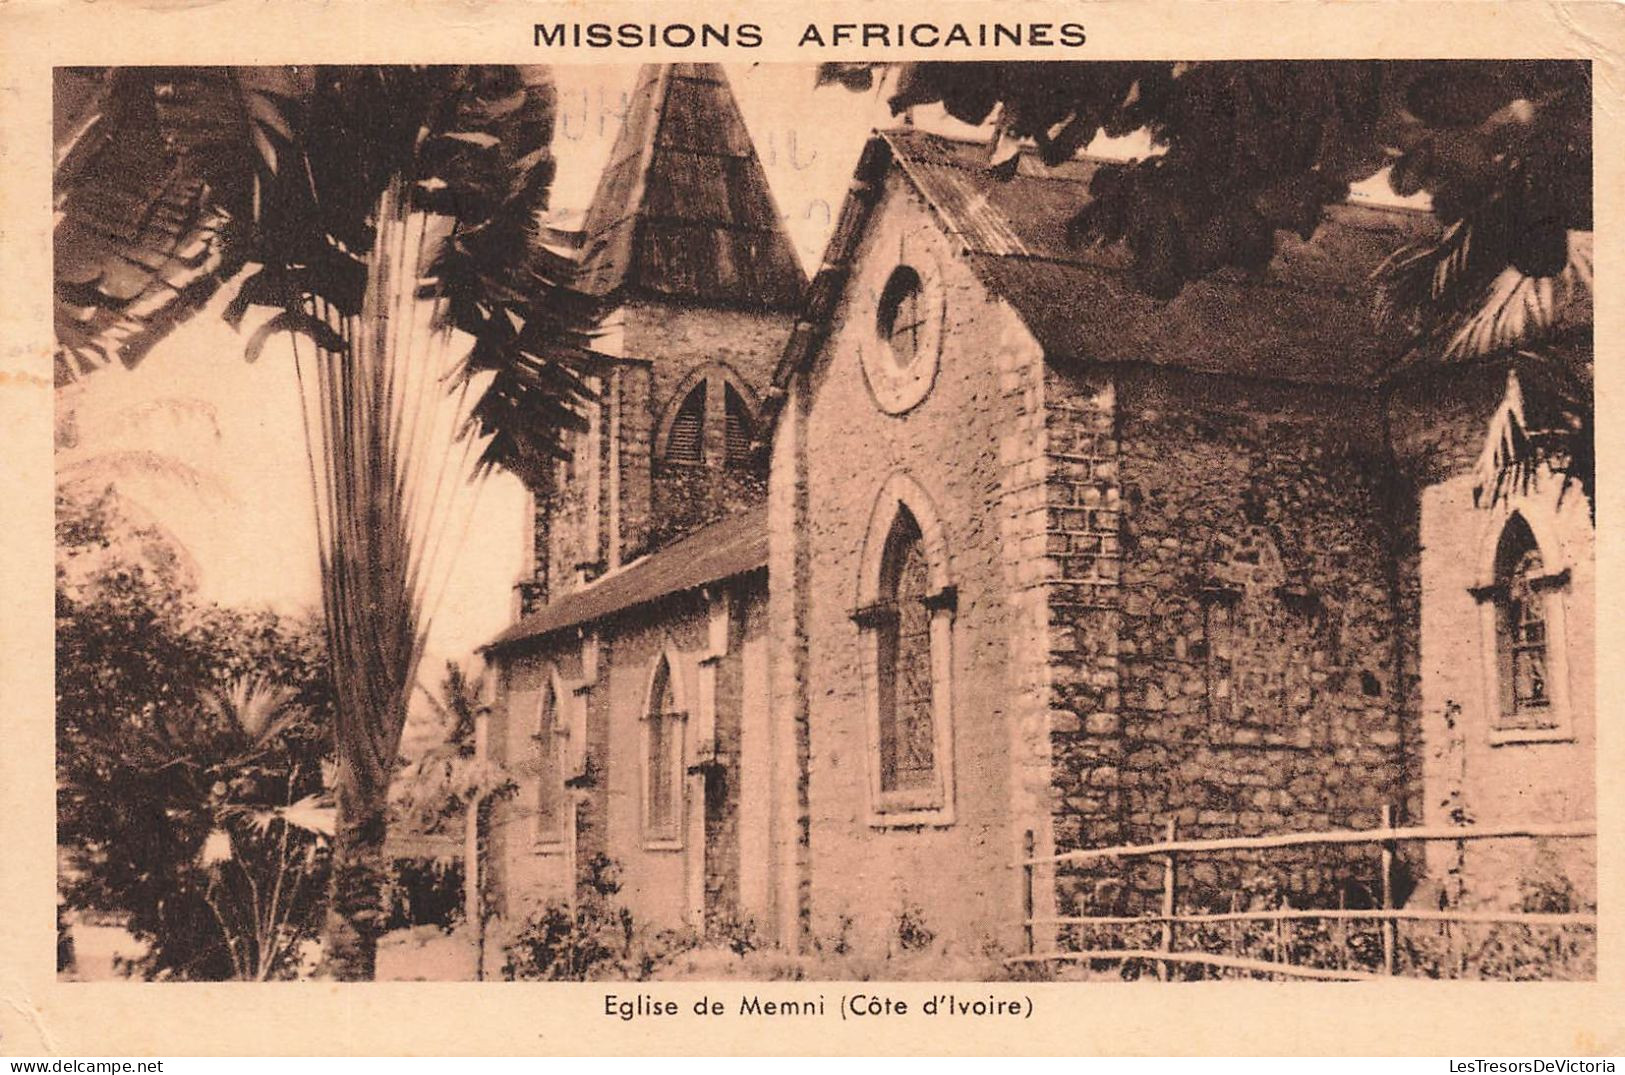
[686,441]
[740,428]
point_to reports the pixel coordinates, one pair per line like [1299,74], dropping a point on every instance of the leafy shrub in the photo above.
[593,940]
[423,892]
[190,742]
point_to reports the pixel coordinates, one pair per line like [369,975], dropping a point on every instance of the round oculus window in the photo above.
[902,363]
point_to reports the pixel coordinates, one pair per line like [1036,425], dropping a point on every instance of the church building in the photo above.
[855,592]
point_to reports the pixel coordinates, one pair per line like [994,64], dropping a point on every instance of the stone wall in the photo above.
[628,493]
[1224,634]
[690,496]
[679,339]
[615,499]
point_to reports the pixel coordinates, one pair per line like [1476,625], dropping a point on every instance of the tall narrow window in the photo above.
[739,429]
[686,441]
[905,618]
[662,787]
[907,732]
[549,771]
[1522,632]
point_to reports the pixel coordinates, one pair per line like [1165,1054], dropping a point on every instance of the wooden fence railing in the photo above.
[1386,837]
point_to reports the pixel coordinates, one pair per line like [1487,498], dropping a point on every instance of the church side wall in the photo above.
[868,878]
[696,881]
[527,876]
[1438,429]
[1225,630]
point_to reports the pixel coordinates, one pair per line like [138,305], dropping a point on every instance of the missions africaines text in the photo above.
[749,35]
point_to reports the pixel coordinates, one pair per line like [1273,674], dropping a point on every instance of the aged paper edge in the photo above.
[39,1015]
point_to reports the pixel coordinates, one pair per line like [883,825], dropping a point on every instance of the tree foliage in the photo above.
[434,790]
[1248,150]
[357,193]
[177,761]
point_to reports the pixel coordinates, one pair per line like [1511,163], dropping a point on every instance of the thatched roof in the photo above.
[683,209]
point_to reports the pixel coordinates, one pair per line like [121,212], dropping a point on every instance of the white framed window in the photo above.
[1521,603]
[905,615]
[910,312]
[664,721]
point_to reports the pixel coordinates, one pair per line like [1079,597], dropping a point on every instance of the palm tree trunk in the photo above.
[355,909]
[474,879]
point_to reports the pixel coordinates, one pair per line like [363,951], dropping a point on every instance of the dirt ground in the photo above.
[423,954]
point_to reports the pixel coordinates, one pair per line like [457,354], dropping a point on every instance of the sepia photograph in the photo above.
[1015,521]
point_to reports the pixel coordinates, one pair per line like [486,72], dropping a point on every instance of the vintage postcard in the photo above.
[810,528]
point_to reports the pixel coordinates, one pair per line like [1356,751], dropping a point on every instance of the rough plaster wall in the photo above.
[956,877]
[653,882]
[528,876]
[1438,429]
[728,813]
[754,768]
[787,573]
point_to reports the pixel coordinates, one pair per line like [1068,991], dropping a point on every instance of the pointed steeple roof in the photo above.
[683,209]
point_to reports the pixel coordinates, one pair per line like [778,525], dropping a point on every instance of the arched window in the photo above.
[907,736]
[662,762]
[685,443]
[713,420]
[1520,636]
[550,811]
[1524,629]
[906,610]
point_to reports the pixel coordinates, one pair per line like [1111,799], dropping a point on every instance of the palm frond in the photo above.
[1459,299]
[122,465]
[313,815]
[254,708]
[1518,452]
[1516,310]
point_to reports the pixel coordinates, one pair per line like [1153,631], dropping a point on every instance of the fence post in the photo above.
[1387,891]
[1167,965]
[1027,851]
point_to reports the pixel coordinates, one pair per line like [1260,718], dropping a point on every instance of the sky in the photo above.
[252,530]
